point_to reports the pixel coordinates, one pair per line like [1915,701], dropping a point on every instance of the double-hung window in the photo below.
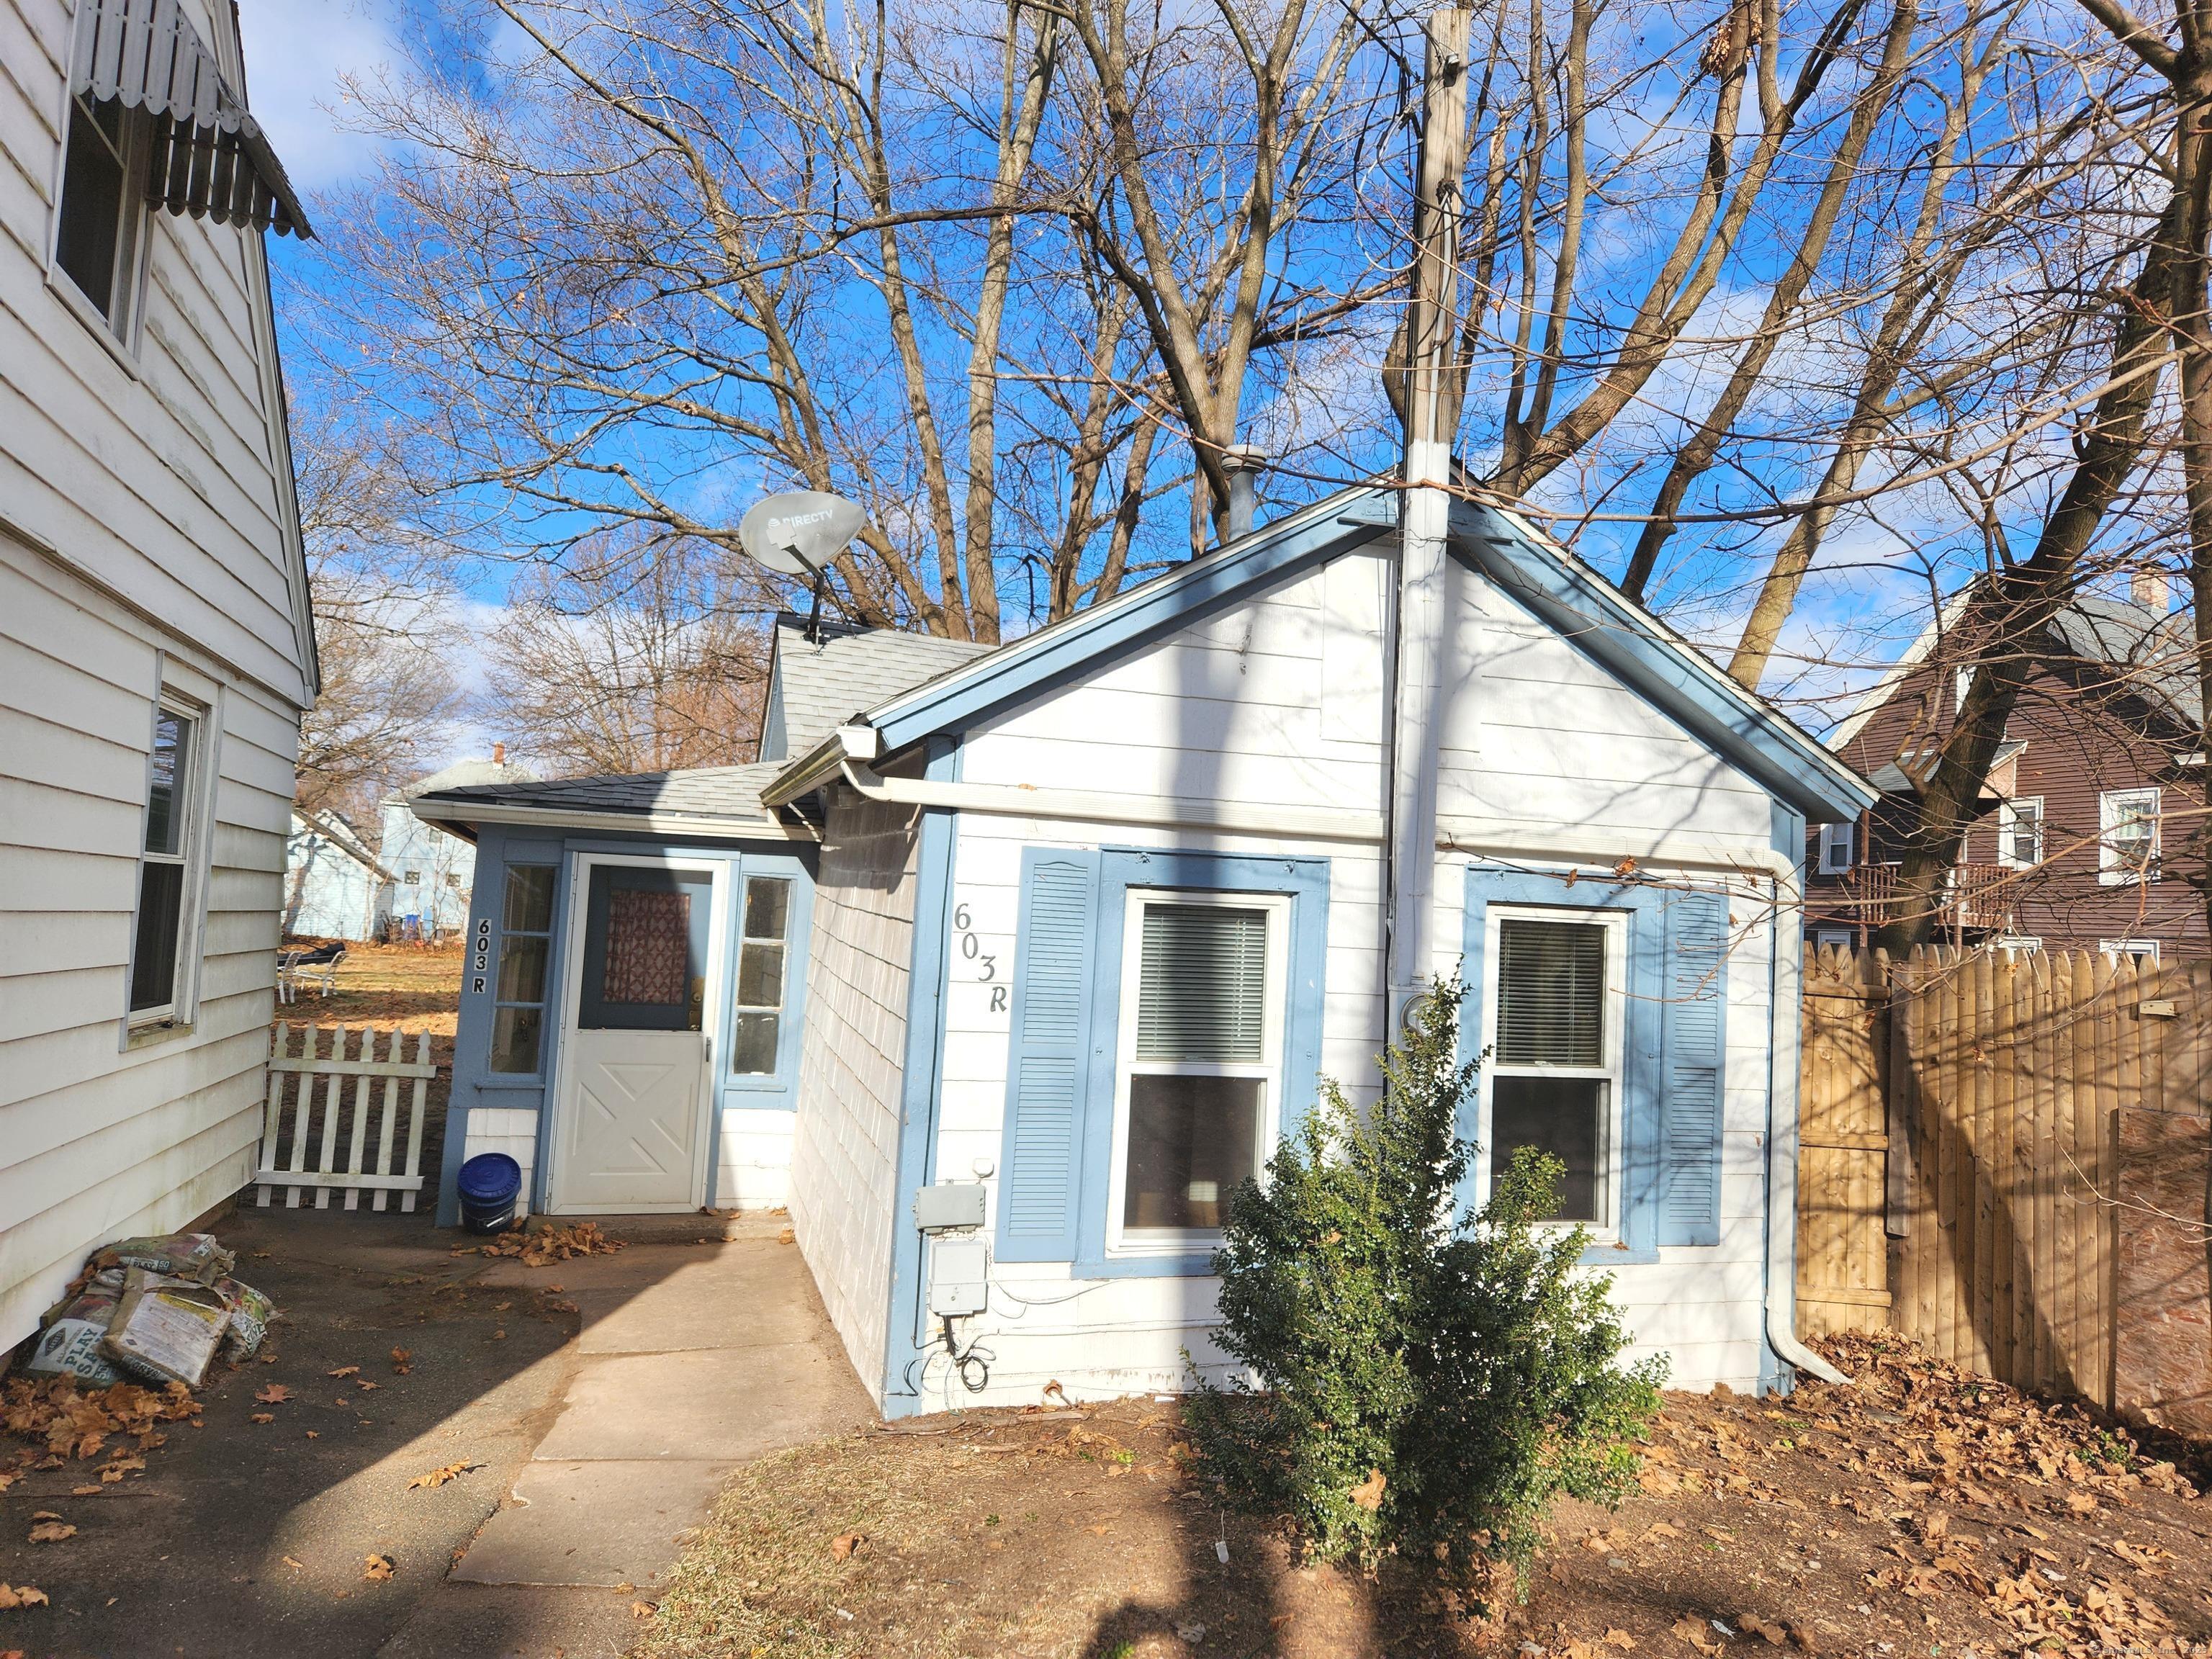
[757,1022]
[2127,851]
[1553,1079]
[2020,832]
[163,931]
[1200,1070]
[102,206]
[1836,848]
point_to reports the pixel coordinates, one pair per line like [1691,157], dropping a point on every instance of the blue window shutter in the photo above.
[1690,1083]
[1048,1059]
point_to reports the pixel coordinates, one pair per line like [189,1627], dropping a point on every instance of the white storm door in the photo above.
[633,1107]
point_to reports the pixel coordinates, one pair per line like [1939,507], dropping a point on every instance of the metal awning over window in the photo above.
[210,156]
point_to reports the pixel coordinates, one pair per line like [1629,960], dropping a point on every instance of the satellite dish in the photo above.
[800,530]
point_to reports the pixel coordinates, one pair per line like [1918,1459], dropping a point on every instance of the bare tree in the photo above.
[631,657]
[378,582]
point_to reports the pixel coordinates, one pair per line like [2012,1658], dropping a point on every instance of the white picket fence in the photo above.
[336,1138]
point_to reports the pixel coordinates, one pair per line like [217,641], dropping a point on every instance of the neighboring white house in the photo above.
[334,888]
[155,641]
[1024,964]
[434,871]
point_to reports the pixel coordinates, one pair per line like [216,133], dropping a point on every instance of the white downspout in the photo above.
[1780,1296]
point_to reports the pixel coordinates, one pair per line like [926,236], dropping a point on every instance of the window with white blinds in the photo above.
[1202,990]
[1551,1083]
[1200,1061]
[1551,993]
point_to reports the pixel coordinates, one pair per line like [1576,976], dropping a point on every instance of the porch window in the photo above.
[1555,1070]
[2128,846]
[164,875]
[517,1021]
[2020,832]
[757,1025]
[1202,1059]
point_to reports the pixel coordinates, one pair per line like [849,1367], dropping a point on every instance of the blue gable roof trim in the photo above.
[955,701]
[1658,664]
[1669,672]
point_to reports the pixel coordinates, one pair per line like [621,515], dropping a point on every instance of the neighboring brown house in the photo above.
[2088,839]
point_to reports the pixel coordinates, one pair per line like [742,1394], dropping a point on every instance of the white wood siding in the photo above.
[145,515]
[844,1157]
[158,466]
[99,1138]
[1278,701]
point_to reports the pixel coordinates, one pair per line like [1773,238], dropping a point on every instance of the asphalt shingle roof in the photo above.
[850,672]
[700,791]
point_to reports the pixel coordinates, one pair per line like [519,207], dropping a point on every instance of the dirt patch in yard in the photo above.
[1923,1512]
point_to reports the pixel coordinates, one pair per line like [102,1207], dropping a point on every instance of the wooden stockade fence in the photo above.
[321,1147]
[1977,1131]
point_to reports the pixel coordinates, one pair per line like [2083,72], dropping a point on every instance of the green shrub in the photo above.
[1467,1365]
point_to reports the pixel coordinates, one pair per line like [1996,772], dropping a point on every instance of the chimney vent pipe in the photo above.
[1243,463]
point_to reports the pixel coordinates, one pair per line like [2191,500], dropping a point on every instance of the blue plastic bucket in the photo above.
[490,1184]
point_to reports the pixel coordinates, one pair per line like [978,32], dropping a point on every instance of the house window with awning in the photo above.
[152,123]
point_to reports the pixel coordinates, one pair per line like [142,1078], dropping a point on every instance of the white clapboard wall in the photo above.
[341,1122]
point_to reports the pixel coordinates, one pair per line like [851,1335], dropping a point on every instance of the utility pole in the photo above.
[1419,621]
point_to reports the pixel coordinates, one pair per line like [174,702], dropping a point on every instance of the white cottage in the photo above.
[1080,923]
[155,646]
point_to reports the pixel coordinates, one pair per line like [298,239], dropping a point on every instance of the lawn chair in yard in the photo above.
[318,967]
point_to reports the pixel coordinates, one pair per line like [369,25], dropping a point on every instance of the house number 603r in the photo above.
[971,950]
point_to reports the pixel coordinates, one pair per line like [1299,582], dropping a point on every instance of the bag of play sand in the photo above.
[195,1257]
[250,1314]
[167,1329]
[74,1328]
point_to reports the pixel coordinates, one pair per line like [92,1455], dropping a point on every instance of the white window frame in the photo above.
[1184,1241]
[2111,806]
[2008,827]
[193,803]
[2144,950]
[1839,937]
[1962,682]
[1607,1229]
[1836,846]
[117,332]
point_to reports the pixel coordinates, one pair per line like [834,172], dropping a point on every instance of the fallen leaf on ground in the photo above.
[118,1467]
[1759,1626]
[21,1595]
[642,1609]
[1693,1631]
[1367,1494]
[274,1394]
[787,1237]
[366,1383]
[263,1417]
[377,1568]
[87,1492]
[289,1562]
[51,1532]
[345,1370]
[846,1545]
[1618,1638]
[439,1476]
[314,1434]
[399,1358]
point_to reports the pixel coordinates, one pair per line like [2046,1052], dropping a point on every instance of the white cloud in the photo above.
[296,52]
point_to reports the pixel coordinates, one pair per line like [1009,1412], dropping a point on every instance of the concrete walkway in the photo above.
[694,1357]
